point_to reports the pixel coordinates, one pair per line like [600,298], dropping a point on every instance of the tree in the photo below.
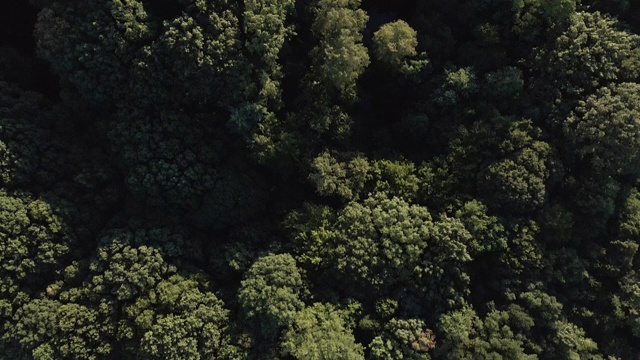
[394,46]
[403,339]
[190,322]
[126,301]
[192,59]
[466,336]
[264,24]
[603,130]
[534,17]
[180,171]
[560,338]
[333,177]
[356,176]
[196,62]
[340,57]
[91,296]
[487,231]
[383,243]
[504,83]
[30,156]
[37,239]
[396,178]
[376,242]
[593,51]
[270,295]
[51,329]
[318,332]
[457,86]
[513,167]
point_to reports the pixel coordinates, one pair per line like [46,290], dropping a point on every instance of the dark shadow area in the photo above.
[164,10]
[17,19]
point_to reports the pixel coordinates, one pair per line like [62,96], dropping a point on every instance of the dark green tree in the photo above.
[126,301]
[593,51]
[535,17]
[118,52]
[382,243]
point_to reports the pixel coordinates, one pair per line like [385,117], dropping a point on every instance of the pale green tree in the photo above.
[270,295]
[318,332]
[394,46]
[340,56]
[265,26]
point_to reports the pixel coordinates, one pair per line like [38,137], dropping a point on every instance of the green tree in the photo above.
[196,61]
[553,332]
[126,301]
[30,156]
[512,168]
[457,86]
[466,336]
[270,295]
[403,339]
[394,46]
[340,57]
[189,322]
[52,329]
[376,242]
[333,177]
[593,51]
[382,243]
[356,176]
[264,25]
[534,17]
[37,238]
[487,231]
[396,178]
[507,82]
[603,130]
[318,332]
[191,60]
[179,171]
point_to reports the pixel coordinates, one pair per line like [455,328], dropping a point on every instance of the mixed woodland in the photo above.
[321,179]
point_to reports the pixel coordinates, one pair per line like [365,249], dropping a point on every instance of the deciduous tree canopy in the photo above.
[325,179]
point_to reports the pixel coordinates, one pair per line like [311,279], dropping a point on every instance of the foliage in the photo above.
[340,57]
[604,129]
[319,332]
[533,16]
[36,239]
[403,339]
[395,45]
[265,28]
[384,242]
[593,51]
[122,53]
[270,294]
[467,336]
[200,179]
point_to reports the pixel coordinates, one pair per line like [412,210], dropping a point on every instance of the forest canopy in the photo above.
[323,179]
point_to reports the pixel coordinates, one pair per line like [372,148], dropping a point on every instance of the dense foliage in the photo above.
[323,179]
